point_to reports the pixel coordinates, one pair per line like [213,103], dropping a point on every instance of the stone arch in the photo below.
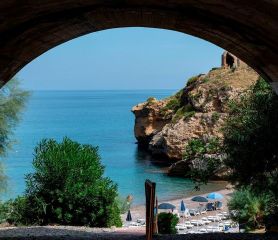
[231,60]
[29,28]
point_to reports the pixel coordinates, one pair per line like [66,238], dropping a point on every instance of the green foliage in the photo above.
[250,208]
[68,187]
[151,100]
[12,210]
[12,102]
[215,117]
[173,104]
[191,80]
[167,223]
[123,204]
[186,111]
[250,140]
[205,164]
[198,147]
[5,208]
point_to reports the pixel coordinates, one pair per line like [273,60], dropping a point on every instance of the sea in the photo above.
[102,118]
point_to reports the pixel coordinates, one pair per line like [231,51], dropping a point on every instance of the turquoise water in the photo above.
[100,118]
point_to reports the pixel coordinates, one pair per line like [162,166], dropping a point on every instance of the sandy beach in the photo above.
[138,212]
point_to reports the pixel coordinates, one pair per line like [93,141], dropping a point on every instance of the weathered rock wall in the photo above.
[197,111]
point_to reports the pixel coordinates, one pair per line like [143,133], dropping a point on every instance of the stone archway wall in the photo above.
[248,29]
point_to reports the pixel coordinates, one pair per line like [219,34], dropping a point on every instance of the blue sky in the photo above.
[124,58]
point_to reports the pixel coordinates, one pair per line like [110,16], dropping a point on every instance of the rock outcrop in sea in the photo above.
[164,127]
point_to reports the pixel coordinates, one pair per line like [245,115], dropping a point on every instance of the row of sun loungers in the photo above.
[203,225]
[201,210]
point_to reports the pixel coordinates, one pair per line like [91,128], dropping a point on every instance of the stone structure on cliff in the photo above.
[228,60]
[199,110]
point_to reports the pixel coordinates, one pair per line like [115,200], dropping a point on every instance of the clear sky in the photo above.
[124,58]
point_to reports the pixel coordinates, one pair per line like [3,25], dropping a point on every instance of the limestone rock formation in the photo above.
[149,120]
[197,111]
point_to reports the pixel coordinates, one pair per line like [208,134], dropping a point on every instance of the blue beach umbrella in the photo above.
[166,206]
[199,199]
[214,195]
[182,206]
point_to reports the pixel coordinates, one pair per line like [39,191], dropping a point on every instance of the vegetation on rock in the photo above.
[196,111]
[204,158]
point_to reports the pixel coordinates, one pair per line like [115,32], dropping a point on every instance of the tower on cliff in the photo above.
[231,61]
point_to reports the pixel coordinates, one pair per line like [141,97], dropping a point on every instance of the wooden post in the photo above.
[150,198]
[156,217]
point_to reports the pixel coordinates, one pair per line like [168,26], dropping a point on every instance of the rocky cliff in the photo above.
[199,110]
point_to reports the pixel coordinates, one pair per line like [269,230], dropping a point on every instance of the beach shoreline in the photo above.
[138,211]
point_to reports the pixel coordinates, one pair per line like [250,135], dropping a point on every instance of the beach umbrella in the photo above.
[199,199]
[166,206]
[128,217]
[182,206]
[214,195]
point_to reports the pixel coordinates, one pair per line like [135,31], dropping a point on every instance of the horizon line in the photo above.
[86,90]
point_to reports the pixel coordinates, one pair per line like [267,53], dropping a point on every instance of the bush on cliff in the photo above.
[203,158]
[68,187]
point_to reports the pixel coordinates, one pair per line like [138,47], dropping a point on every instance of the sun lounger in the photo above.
[214,218]
[142,221]
[206,221]
[194,212]
[134,224]
[202,210]
[188,224]
[197,222]
[181,227]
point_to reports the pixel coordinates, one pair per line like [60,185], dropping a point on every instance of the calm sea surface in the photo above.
[100,118]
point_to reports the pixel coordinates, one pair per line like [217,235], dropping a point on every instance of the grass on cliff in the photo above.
[177,107]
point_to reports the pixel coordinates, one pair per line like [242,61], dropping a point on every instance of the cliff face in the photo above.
[197,111]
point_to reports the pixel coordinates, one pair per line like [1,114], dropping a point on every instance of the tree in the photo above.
[12,102]
[68,187]
[250,140]
[250,209]
[204,159]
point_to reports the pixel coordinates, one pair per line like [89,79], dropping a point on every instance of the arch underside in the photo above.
[247,29]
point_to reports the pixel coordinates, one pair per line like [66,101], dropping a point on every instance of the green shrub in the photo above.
[250,139]
[250,208]
[68,187]
[4,211]
[215,117]
[199,149]
[189,114]
[167,223]
[151,100]
[173,104]
[124,204]
[191,80]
